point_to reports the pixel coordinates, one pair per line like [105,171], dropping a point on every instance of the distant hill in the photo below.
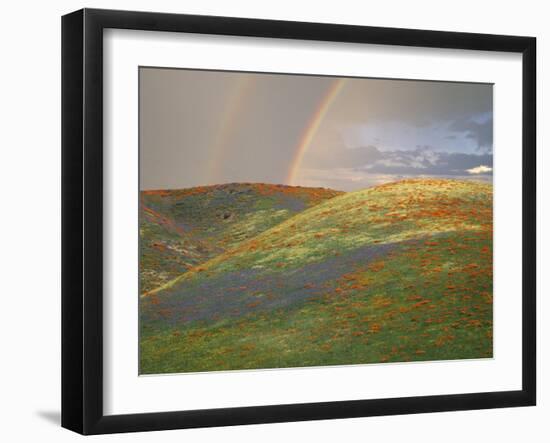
[397,272]
[182,228]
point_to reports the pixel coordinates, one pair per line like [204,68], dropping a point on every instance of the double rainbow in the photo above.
[233,109]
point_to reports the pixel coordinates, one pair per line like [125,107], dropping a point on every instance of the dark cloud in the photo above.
[482,133]
[420,103]
[425,161]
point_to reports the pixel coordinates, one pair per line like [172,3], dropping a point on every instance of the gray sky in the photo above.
[211,127]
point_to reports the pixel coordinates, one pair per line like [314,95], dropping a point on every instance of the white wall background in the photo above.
[30,218]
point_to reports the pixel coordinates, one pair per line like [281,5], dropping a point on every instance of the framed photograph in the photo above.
[269,221]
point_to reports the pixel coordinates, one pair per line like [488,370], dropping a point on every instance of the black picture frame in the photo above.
[82,219]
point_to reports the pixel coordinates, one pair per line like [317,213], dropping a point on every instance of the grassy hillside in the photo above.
[398,272]
[182,228]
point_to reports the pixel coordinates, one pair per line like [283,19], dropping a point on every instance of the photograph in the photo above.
[292,220]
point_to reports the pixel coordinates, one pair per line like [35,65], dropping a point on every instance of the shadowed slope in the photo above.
[182,228]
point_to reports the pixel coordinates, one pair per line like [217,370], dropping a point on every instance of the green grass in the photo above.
[427,297]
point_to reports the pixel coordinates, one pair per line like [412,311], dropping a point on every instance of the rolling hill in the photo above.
[182,228]
[398,272]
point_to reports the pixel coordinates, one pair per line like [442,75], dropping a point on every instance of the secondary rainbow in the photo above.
[312,127]
[228,125]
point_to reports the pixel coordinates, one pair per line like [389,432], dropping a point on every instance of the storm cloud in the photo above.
[423,160]
[427,162]
[481,133]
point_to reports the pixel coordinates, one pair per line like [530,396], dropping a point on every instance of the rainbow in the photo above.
[232,110]
[312,127]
